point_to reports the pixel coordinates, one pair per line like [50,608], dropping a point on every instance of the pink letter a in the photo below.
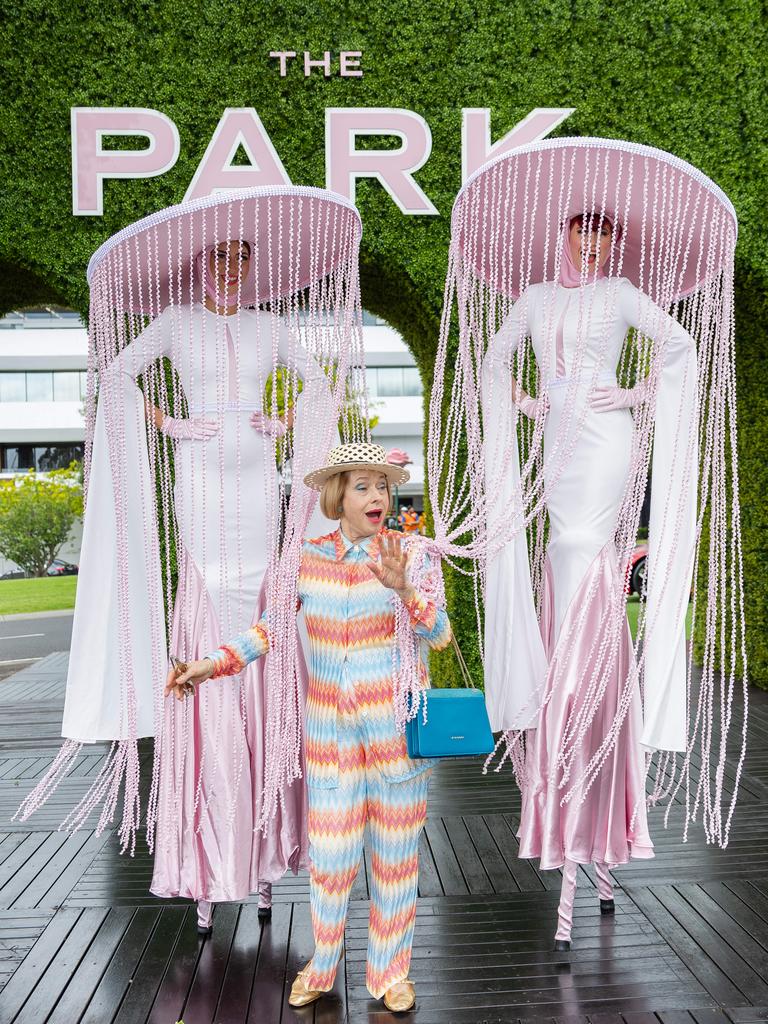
[239,126]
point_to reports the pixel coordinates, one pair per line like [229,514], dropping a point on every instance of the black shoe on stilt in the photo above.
[607,906]
[562,945]
[265,901]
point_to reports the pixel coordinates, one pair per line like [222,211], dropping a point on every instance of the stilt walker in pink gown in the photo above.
[229,313]
[596,275]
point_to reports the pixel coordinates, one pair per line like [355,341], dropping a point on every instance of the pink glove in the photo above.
[609,397]
[266,425]
[530,406]
[194,429]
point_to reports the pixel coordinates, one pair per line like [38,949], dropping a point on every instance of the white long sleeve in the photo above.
[672,528]
[515,662]
[95,707]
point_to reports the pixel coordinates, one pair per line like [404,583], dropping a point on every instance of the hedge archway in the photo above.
[689,78]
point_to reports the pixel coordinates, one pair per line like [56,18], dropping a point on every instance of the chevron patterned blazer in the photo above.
[350,622]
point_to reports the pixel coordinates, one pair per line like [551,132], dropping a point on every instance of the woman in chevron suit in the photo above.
[373,603]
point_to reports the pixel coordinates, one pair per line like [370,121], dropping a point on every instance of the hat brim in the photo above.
[318,230]
[395,474]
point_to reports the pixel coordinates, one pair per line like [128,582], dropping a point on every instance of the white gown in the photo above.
[587,457]
[220,496]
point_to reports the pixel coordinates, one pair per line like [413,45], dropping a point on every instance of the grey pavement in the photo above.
[27,637]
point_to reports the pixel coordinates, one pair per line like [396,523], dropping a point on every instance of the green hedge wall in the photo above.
[688,77]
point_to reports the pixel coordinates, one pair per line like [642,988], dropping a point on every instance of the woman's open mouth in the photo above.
[374,515]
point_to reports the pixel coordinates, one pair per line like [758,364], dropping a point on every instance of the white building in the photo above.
[395,396]
[43,359]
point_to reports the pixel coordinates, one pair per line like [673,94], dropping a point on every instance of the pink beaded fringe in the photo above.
[426,576]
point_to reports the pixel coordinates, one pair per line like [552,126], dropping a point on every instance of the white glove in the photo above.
[266,425]
[194,429]
[531,407]
[609,397]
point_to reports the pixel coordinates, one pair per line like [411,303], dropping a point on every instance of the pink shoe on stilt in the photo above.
[204,917]
[265,901]
[565,908]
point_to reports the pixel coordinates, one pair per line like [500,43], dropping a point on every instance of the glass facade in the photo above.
[43,457]
[393,381]
[39,387]
[13,387]
[42,385]
[49,316]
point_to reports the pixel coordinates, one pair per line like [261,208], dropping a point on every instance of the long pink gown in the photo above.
[582,606]
[211,751]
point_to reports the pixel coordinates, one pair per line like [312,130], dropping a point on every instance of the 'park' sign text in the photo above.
[241,127]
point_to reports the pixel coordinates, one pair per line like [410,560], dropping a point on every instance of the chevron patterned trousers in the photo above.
[395,813]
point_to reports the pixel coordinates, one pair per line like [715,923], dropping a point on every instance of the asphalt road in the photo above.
[32,637]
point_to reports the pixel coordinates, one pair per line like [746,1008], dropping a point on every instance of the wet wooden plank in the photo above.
[31,972]
[84,980]
[203,998]
[270,976]
[115,982]
[179,972]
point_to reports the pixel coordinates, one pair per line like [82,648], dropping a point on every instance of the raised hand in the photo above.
[193,429]
[390,570]
[183,677]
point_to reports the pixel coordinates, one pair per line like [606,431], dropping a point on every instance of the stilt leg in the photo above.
[265,900]
[204,915]
[604,887]
[565,909]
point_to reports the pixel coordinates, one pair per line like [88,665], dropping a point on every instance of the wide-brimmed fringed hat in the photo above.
[356,455]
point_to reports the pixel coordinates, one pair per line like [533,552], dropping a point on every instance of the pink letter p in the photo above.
[91,163]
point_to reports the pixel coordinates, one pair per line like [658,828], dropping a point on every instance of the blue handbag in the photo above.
[457,722]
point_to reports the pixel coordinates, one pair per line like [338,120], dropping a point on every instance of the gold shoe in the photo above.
[400,997]
[300,994]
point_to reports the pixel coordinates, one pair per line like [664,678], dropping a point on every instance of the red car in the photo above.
[59,567]
[635,577]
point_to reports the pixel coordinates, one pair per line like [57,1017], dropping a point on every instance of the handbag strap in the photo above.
[462,663]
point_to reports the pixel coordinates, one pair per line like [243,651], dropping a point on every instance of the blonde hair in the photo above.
[332,494]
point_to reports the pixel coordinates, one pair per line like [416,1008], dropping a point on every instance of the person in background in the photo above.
[411,524]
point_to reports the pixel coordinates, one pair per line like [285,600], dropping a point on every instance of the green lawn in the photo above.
[633,611]
[39,595]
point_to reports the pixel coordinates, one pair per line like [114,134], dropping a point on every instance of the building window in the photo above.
[66,386]
[393,381]
[13,387]
[40,387]
[412,381]
[43,386]
[371,320]
[19,457]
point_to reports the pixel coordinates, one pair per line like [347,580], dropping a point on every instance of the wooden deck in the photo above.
[83,942]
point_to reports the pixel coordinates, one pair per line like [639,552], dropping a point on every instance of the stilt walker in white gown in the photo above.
[599,276]
[238,316]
